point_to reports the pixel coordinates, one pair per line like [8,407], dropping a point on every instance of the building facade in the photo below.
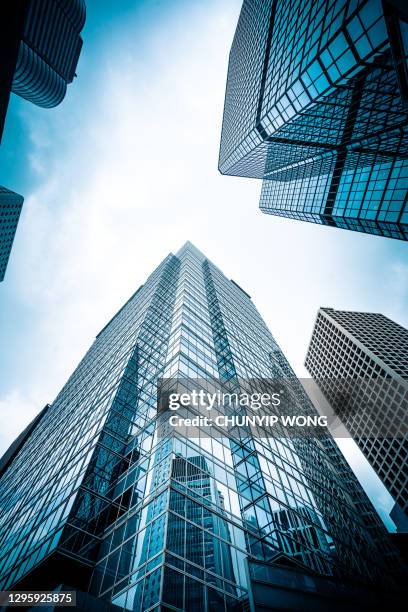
[49,50]
[316,106]
[10,209]
[104,498]
[360,362]
[40,44]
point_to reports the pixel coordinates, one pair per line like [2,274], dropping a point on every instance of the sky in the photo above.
[123,172]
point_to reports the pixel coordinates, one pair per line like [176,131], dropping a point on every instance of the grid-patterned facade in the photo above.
[10,209]
[158,521]
[360,362]
[316,106]
[49,50]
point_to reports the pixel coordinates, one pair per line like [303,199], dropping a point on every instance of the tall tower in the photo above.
[103,498]
[316,106]
[360,362]
[10,209]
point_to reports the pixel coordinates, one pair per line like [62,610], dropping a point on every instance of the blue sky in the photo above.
[125,171]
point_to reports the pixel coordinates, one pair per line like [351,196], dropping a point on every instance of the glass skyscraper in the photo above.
[360,362]
[103,498]
[316,106]
[10,208]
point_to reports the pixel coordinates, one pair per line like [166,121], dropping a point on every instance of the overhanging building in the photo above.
[360,362]
[40,45]
[316,106]
[96,499]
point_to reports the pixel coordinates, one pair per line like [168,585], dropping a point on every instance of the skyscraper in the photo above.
[360,362]
[10,209]
[40,46]
[108,499]
[316,106]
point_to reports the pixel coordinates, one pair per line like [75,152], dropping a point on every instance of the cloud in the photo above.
[397,290]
